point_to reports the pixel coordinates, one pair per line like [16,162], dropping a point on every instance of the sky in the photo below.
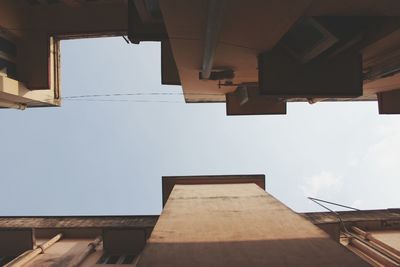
[102,157]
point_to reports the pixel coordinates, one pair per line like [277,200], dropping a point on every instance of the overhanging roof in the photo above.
[353,216]
[248,29]
[45,222]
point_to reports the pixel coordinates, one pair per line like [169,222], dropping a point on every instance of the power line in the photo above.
[95,97]
[141,94]
[127,100]
[317,200]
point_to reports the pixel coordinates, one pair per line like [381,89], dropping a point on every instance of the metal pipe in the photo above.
[375,248]
[214,20]
[89,250]
[368,236]
[372,253]
[27,256]
[332,203]
[368,248]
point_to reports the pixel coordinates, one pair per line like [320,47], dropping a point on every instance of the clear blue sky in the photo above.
[108,157]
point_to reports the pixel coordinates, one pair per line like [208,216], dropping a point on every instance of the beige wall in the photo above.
[62,253]
[118,242]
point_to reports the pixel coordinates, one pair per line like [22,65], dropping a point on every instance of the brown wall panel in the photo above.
[389,102]
[169,71]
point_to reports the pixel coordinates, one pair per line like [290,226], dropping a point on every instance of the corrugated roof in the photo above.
[79,222]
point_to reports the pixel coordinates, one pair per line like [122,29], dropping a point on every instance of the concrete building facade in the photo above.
[254,55]
[207,221]
[73,240]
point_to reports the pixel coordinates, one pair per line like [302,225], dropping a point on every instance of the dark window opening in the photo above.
[5,259]
[116,259]
[8,47]
[8,68]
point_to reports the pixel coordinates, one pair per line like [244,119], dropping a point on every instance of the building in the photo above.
[30,34]
[371,234]
[207,221]
[254,55]
[74,240]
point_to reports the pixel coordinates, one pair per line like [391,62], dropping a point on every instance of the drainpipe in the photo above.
[89,250]
[375,255]
[214,20]
[368,236]
[31,254]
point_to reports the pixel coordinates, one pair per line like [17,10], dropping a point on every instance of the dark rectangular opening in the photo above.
[389,102]
[8,47]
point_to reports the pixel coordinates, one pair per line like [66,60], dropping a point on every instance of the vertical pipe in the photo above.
[89,250]
[214,20]
[370,237]
[372,253]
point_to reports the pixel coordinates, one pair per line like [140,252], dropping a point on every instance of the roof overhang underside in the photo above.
[247,29]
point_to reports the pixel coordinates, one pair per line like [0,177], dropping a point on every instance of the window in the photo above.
[8,53]
[116,259]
